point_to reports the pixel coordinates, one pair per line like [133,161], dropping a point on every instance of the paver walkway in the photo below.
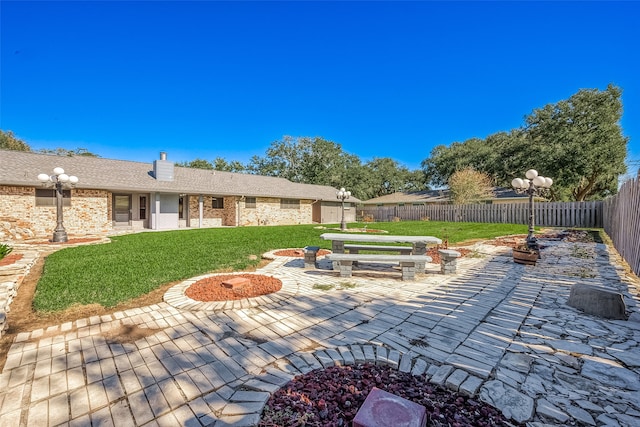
[496,329]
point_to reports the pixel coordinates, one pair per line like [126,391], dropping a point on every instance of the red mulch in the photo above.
[211,289]
[332,397]
[299,252]
[10,259]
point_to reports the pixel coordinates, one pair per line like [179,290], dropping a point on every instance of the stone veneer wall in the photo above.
[20,218]
[268,212]
[212,217]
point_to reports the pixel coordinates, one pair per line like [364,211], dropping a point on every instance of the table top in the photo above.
[379,238]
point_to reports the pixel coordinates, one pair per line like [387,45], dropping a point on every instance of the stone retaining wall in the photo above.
[11,277]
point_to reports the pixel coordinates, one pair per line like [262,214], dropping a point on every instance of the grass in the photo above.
[133,265]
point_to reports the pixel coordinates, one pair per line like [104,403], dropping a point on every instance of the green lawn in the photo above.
[135,264]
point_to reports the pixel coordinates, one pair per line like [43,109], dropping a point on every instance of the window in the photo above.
[47,197]
[217,203]
[143,207]
[250,202]
[289,204]
[347,206]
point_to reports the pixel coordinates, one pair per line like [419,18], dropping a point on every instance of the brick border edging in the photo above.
[250,397]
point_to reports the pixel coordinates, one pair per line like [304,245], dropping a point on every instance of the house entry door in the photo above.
[121,209]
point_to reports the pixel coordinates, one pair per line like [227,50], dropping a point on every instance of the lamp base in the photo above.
[60,236]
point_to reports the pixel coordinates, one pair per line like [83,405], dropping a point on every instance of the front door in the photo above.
[121,209]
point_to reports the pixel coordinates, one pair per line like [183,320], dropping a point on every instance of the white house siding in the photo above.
[164,211]
[20,218]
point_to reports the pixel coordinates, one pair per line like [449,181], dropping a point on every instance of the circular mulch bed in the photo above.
[332,397]
[212,288]
[299,252]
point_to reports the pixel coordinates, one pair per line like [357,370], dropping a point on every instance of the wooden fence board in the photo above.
[622,222]
[563,214]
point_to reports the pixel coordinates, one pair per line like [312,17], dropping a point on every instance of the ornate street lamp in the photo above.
[343,195]
[58,180]
[534,184]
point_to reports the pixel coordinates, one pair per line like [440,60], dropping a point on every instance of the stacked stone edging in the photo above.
[11,277]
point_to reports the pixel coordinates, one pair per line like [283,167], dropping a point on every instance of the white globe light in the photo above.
[539,181]
[58,171]
[531,173]
[548,182]
[73,179]
[525,183]
[43,177]
[63,177]
[348,193]
[516,183]
[342,189]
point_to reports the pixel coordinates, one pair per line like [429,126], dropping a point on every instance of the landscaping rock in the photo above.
[597,301]
[511,402]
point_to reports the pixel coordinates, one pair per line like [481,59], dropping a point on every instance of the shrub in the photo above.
[5,250]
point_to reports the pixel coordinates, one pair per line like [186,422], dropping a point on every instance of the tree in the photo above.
[311,161]
[387,176]
[8,141]
[221,164]
[470,186]
[196,164]
[578,142]
[69,153]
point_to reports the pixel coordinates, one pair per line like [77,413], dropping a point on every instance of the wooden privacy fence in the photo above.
[556,214]
[622,222]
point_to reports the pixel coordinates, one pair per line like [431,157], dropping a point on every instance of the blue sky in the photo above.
[202,79]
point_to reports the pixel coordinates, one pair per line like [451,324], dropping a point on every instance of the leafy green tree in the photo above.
[314,160]
[8,141]
[387,176]
[197,164]
[311,161]
[221,164]
[69,153]
[470,186]
[578,142]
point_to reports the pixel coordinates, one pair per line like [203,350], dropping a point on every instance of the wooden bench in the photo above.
[354,249]
[407,262]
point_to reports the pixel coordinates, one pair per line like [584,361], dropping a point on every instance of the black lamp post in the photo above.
[343,195]
[534,184]
[59,179]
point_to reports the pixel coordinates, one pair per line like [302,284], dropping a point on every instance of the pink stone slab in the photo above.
[383,409]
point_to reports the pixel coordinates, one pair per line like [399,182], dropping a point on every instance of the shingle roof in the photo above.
[22,168]
[434,196]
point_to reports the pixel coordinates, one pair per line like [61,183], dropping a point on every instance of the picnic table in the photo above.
[419,243]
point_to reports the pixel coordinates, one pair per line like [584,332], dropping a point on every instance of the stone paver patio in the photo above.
[496,329]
